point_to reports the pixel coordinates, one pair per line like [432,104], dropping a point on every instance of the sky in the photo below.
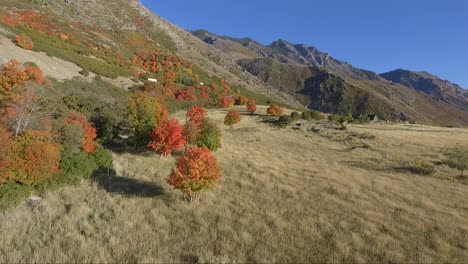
[379,35]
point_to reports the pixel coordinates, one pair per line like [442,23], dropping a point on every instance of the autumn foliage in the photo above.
[251,106]
[195,171]
[196,114]
[275,110]
[24,42]
[227,101]
[89,146]
[167,136]
[232,117]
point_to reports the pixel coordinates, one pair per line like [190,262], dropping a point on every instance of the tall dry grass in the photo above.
[285,196]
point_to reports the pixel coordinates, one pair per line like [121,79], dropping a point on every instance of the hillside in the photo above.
[292,68]
[124,20]
[285,196]
[430,84]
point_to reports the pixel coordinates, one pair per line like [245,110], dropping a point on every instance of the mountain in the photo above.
[430,84]
[322,82]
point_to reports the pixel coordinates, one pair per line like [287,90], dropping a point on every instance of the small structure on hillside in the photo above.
[152,80]
[373,118]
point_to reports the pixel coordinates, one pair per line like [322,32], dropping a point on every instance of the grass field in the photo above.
[285,196]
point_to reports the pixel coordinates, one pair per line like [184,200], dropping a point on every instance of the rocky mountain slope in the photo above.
[131,16]
[322,82]
[430,84]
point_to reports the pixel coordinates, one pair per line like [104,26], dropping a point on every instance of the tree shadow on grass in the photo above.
[113,183]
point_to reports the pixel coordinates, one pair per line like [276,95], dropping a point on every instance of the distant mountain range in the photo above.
[322,82]
[296,74]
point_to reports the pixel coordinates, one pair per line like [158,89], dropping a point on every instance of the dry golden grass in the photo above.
[286,196]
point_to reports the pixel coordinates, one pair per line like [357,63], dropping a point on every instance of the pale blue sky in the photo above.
[372,34]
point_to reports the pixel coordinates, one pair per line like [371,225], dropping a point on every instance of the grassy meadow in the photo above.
[312,194]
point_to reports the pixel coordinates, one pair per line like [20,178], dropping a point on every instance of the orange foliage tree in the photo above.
[89,146]
[227,101]
[242,100]
[6,154]
[275,110]
[251,106]
[193,125]
[24,42]
[167,136]
[195,171]
[196,114]
[232,117]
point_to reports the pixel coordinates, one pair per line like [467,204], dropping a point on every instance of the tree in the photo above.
[227,102]
[196,114]
[295,116]
[209,136]
[457,158]
[251,106]
[284,121]
[89,132]
[6,154]
[242,100]
[37,157]
[24,42]
[145,113]
[275,110]
[195,171]
[167,136]
[231,118]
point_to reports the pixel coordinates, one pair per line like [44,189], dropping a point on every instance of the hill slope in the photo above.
[430,84]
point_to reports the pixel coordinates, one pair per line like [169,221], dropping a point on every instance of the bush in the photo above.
[24,42]
[316,115]
[231,118]
[77,166]
[167,136]
[210,135]
[196,170]
[275,110]
[334,118]
[295,116]
[251,106]
[421,167]
[306,115]
[457,158]
[284,121]
[346,118]
[362,119]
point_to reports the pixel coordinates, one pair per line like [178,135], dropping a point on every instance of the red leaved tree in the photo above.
[232,117]
[196,114]
[89,146]
[167,136]
[275,110]
[251,106]
[196,170]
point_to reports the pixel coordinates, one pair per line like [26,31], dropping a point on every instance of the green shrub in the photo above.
[210,135]
[457,158]
[346,118]
[421,167]
[362,119]
[316,115]
[334,118]
[284,121]
[295,116]
[12,194]
[306,115]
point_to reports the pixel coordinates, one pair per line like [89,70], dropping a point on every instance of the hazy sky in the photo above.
[373,34]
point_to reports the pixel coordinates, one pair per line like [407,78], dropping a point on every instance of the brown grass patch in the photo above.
[285,196]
